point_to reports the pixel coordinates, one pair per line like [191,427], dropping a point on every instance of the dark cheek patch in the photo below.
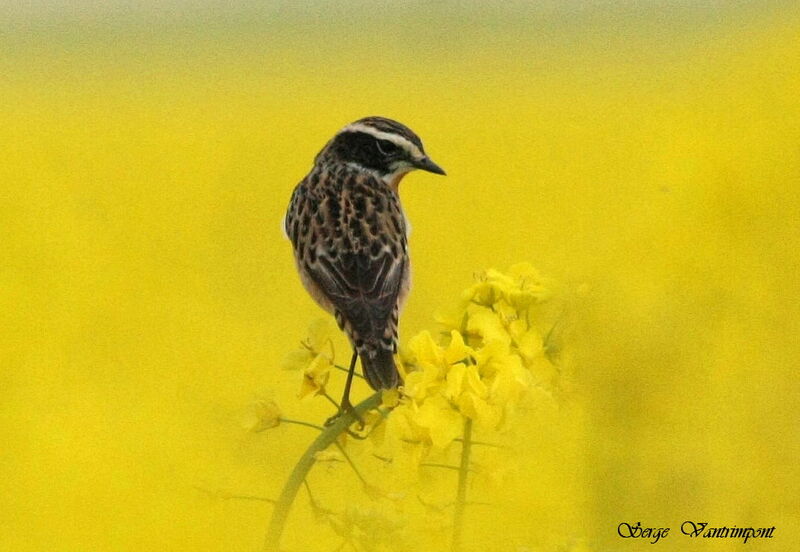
[360,147]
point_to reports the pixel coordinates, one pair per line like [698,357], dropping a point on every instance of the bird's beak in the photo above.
[427,165]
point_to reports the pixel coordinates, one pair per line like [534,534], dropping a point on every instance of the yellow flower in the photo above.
[319,336]
[483,293]
[402,434]
[530,346]
[485,324]
[517,329]
[510,380]
[492,350]
[452,320]
[317,342]
[499,279]
[455,381]
[390,398]
[315,376]
[505,312]
[528,279]
[442,422]
[478,409]
[264,414]
[473,383]
[422,382]
[423,349]
[489,289]
[457,351]
[543,371]
[315,359]
[521,287]
[297,360]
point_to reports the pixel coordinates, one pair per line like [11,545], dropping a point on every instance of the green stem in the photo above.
[347,371]
[461,497]
[330,400]
[350,461]
[304,465]
[301,423]
[483,443]
[445,466]
[226,495]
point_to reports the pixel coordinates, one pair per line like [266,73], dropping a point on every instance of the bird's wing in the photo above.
[351,242]
[363,288]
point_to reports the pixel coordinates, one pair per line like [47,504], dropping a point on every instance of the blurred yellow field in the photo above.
[644,158]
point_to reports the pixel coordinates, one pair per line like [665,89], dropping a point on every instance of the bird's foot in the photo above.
[346,408]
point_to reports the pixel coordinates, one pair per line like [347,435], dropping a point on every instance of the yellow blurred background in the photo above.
[645,153]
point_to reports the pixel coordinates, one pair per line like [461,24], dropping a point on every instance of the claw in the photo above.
[346,408]
[330,421]
[349,408]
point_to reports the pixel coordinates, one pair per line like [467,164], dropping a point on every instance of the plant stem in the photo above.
[304,465]
[299,422]
[330,400]
[347,370]
[224,495]
[461,497]
[350,461]
[483,443]
[445,466]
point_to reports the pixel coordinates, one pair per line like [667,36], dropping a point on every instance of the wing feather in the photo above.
[356,253]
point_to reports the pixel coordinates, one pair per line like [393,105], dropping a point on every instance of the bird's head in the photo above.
[379,145]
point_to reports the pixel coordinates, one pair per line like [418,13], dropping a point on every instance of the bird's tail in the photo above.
[379,368]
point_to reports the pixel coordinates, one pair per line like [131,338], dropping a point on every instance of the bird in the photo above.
[349,237]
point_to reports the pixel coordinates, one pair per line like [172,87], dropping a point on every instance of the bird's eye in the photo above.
[386,147]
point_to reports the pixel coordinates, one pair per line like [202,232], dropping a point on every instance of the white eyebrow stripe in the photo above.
[394,138]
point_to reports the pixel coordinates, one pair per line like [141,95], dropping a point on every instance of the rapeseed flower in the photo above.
[314,358]
[264,414]
[490,354]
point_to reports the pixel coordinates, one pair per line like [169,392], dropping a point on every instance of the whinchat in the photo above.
[349,236]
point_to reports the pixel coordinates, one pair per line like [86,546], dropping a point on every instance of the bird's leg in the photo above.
[346,405]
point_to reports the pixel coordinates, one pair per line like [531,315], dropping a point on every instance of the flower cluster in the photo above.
[480,367]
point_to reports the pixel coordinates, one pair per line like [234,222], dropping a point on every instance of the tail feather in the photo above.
[379,368]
